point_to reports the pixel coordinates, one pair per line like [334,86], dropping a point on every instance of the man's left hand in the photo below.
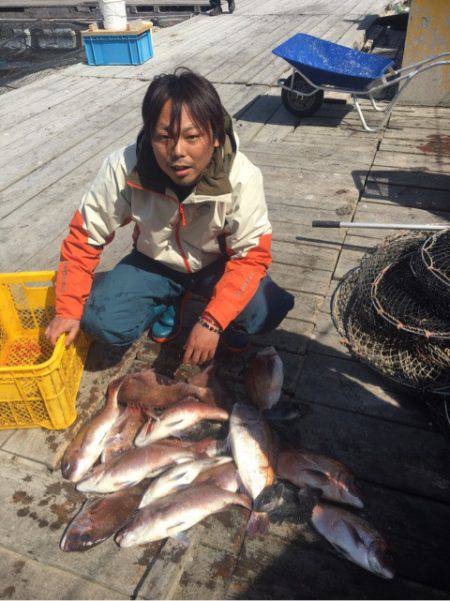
[201,345]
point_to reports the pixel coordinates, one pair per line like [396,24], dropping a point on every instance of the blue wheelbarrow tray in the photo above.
[329,64]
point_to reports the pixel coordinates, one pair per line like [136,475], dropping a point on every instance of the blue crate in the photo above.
[118,48]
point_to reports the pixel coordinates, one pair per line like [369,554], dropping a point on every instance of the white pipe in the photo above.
[432,227]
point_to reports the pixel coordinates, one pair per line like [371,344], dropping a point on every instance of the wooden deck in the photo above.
[55,132]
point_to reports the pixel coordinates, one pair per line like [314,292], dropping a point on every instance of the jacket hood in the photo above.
[215,179]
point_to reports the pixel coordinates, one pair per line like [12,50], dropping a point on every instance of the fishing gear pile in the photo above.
[393,313]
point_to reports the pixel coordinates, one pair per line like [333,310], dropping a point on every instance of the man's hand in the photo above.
[200,346]
[62,325]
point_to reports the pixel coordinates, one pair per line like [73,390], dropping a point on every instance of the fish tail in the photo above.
[257,524]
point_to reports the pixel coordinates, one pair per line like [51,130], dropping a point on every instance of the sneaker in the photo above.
[168,325]
[216,11]
[235,341]
[231,6]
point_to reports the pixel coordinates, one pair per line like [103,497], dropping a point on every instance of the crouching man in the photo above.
[200,225]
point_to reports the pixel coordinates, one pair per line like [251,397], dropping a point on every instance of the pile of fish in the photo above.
[154,481]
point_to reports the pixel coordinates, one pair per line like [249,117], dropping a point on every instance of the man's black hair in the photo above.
[196,93]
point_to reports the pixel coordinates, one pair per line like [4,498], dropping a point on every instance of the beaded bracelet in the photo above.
[209,326]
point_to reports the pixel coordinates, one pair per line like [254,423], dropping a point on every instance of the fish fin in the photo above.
[175,422]
[319,476]
[355,534]
[283,411]
[341,552]
[143,432]
[178,476]
[242,490]
[125,484]
[182,539]
[150,413]
[223,446]
[270,498]
[227,443]
[257,524]
[309,492]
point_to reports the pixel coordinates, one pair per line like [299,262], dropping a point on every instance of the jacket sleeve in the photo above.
[104,208]
[248,235]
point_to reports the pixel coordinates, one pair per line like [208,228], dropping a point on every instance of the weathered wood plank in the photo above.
[402,122]
[169,566]
[325,339]
[410,177]
[303,255]
[23,197]
[435,145]
[424,162]
[41,88]
[284,231]
[393,214]
[302,279]
[252,119]
[354,387]
[406,196]
[24,578]
[292,335]
[74,87]
[269,568]
[38,506]
[383,452]
[285,155]
[129,97]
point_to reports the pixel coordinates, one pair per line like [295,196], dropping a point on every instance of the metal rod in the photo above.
[432,227]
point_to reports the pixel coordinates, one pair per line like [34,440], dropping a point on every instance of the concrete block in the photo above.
[58,38]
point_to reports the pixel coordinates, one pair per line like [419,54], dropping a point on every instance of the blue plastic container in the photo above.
[326,63]
[120,48]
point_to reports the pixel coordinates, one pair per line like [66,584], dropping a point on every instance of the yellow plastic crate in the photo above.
[38,383]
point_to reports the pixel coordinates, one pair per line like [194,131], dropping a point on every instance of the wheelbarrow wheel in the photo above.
[298,105]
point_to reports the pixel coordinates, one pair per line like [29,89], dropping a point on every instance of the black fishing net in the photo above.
[405,301]
[410,359]
[432,267]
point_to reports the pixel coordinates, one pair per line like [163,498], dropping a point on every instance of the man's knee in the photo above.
[267,309]
[107,330]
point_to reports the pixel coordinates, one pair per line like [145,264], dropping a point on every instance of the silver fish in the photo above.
[100,518]
[264,377]
[179,477]
[120,437]
[224,476]
[150,390]
[209,378]
[354,538]
[86,447]
[254,452]
[207,447]
[312,470]
[177,419]
[132,467]
[176,513]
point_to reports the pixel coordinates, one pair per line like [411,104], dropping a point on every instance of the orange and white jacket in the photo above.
[226,212]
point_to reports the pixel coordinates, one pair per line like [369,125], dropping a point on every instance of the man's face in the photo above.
[185,159]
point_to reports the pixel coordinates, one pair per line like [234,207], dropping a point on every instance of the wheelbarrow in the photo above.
[319,66]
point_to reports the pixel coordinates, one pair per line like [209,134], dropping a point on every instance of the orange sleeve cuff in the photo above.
[239,283]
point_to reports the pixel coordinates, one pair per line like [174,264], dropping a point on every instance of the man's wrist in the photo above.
[208,322]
